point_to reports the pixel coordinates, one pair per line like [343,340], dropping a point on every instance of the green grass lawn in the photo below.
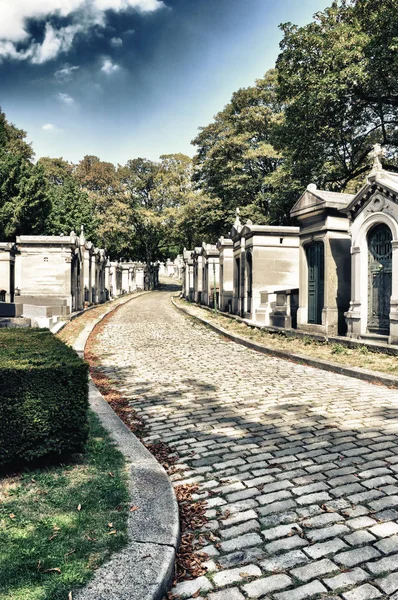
[59,523]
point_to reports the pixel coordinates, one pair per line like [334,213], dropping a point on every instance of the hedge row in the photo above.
[43,397]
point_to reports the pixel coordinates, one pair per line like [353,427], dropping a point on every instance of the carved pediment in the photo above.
[380,194]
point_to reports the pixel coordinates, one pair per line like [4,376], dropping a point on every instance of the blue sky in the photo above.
[127,78]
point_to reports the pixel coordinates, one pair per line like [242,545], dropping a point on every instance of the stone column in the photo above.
[393,339]
[353,315]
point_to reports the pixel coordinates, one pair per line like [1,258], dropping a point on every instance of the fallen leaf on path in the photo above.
[133,508]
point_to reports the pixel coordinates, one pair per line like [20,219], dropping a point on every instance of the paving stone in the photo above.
[388,563]
[317,535]
[239,507]
[309,489]
[384,529]
[236,575]
[390,514]
[365,497]
[285,561]
[363,592]
[383,503]
[250,493]
[325,548]
[243,541]
[276,507]
[240,557]
[280,531]
[273,497]
[239,529]
[278,519]
[389,584]
[345,490]
[286,544]
[226,594]
[315,569]
[302,592]
[188,588]
[359,538]
[378,482]
[361,522]
[346,579]
[210,550]
[239,517]
[355,557]
[319,497]
[260,587]
[388,545]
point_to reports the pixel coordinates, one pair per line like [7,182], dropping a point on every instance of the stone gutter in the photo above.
[356,372]
[144,569]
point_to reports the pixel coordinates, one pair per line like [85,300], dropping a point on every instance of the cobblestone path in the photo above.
[299,466]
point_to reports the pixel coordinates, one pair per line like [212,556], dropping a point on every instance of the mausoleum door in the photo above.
[379,279]
[238,278]
[12,282]
[249,281]
[316,268]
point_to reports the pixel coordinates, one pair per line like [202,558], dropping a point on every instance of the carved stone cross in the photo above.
[378,153]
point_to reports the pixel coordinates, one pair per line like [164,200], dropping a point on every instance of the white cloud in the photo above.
[109,67]
[65,98]
[65,74]
[116,41]
[51,128]
[83,15]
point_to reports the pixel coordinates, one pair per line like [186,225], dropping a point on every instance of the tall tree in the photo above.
[235,153]
[111,212]
[24,204]
[338,98]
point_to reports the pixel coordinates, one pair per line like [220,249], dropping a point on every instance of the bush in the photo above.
[43,397]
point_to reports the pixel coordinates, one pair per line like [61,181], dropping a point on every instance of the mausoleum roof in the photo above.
[269,230]
[314,200]
[209,250]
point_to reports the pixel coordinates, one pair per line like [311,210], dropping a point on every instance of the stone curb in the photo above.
[144,569]
[357,373]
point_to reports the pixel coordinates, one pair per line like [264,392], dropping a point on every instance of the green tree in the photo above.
[235,153]
[71,208]
[12,139]
[109,205]
[56,170]
[338,98]
[24,204]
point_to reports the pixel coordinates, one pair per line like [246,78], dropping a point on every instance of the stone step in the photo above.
[374,337]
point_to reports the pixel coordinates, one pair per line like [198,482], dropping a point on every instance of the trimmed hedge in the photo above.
[43,397]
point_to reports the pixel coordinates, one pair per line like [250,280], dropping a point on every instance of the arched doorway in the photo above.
[379,279]
[316,269]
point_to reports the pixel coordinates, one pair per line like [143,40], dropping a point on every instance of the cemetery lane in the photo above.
[298,466]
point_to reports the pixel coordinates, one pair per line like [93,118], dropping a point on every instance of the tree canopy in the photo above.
[312,119]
